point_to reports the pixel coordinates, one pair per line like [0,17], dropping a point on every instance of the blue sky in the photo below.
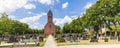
[34,12]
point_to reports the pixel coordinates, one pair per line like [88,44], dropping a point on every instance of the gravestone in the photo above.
[105,39]
[41,39]
[34,36]
[78,37]
[23,37]
[61,40]
[0,39]
[94,39]
[27,36]
[12,39]
[113,38]
[84,37]
[36,41]
[118,38]
[72,38]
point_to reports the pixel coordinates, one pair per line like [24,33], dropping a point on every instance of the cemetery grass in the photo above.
[2,42]
[86,42]
[42,43]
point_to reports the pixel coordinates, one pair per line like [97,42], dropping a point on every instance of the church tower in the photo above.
[50,16]
[49,27]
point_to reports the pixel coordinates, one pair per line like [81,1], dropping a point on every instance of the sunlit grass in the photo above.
[3,42]
[42,43]
[86,42]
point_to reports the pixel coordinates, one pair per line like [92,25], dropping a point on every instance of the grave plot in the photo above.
[23,40]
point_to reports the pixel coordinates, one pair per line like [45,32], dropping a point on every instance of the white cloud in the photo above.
[36,25]
[32,0]
[82,13]
[65,5]
[9,6]
[58,0]
[29,12]
[88,5]
[46,2]
[74,17]
[66,19]
[33,18]
[12,17]
[29,6]
[62,21]
[33,21]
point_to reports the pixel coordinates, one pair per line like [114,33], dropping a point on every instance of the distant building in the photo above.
[49,27]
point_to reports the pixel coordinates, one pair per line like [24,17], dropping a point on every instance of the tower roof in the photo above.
[50,13]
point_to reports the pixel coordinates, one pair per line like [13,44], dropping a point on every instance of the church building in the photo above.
[49,27]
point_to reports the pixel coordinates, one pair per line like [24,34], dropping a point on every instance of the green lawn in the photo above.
[41,44]
[2,42]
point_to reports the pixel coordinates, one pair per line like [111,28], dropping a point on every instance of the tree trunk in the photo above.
[110,33]
[89,28]
[115,29]
[105,25]
[100,30]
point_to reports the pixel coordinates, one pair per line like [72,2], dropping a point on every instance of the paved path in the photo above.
[92,46]
[50,43]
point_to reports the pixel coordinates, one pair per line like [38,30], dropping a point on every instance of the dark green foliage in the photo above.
[58,30]
[14,27]
[103,13]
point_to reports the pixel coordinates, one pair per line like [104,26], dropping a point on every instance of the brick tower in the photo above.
[49,27]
